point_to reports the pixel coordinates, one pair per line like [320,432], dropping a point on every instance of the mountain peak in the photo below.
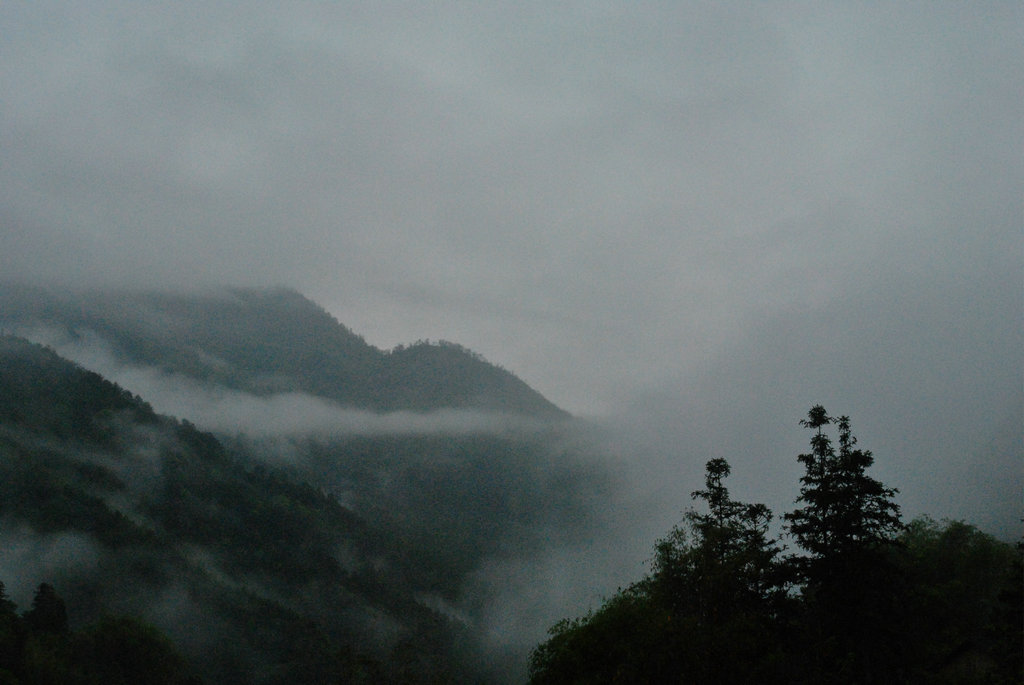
[273,340]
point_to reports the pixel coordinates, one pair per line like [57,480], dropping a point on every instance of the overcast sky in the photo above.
[699,218]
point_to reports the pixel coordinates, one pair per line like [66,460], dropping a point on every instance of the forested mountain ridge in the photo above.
[160,505]
[255,568]
[268,341]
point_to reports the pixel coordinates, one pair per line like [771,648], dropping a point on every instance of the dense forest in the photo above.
[348,560]
[38,647]
[865,599]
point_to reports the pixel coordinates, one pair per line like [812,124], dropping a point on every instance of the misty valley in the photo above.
[232,487]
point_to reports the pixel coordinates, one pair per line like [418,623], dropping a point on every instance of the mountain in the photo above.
[273,341]
[341,557]
[158,508]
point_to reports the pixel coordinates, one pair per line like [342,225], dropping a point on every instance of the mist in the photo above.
[225,411]
[30,558]
[685,224]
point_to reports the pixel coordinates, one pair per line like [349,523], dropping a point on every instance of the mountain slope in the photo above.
[243,551]
[267,341]
[291,578]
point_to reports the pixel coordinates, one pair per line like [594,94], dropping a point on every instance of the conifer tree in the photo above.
[732,557]
[847,526]
[10,633]
[7,607]
[48,613]
[845,509]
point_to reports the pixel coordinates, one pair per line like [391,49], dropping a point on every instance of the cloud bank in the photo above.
[694,220]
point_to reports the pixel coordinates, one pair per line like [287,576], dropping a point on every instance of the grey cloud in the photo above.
[656,204]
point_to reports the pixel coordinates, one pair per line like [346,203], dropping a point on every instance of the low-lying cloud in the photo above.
[223,410]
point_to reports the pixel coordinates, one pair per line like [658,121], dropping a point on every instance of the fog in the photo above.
[685,223]
[226,411]
[29,557]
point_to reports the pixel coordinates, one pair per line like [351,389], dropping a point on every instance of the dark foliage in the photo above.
[845,510]
[851,588]
[450,501]
[707,613]
[426,376]
[48,613]
[259,572]
[872,601]
[39,649]
[964,598]
[44,393]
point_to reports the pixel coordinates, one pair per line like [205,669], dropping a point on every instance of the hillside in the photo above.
[271,341]
[353,557]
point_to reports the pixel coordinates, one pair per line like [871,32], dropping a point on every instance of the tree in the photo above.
[846,510]
[126,651]
[724,557]
[629,639]
[965,596]
[48,613]
[878,602]
[719,575]
[45,659]
[11,634]
[7,607]
[704,614]
[739,558]
[848,527]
